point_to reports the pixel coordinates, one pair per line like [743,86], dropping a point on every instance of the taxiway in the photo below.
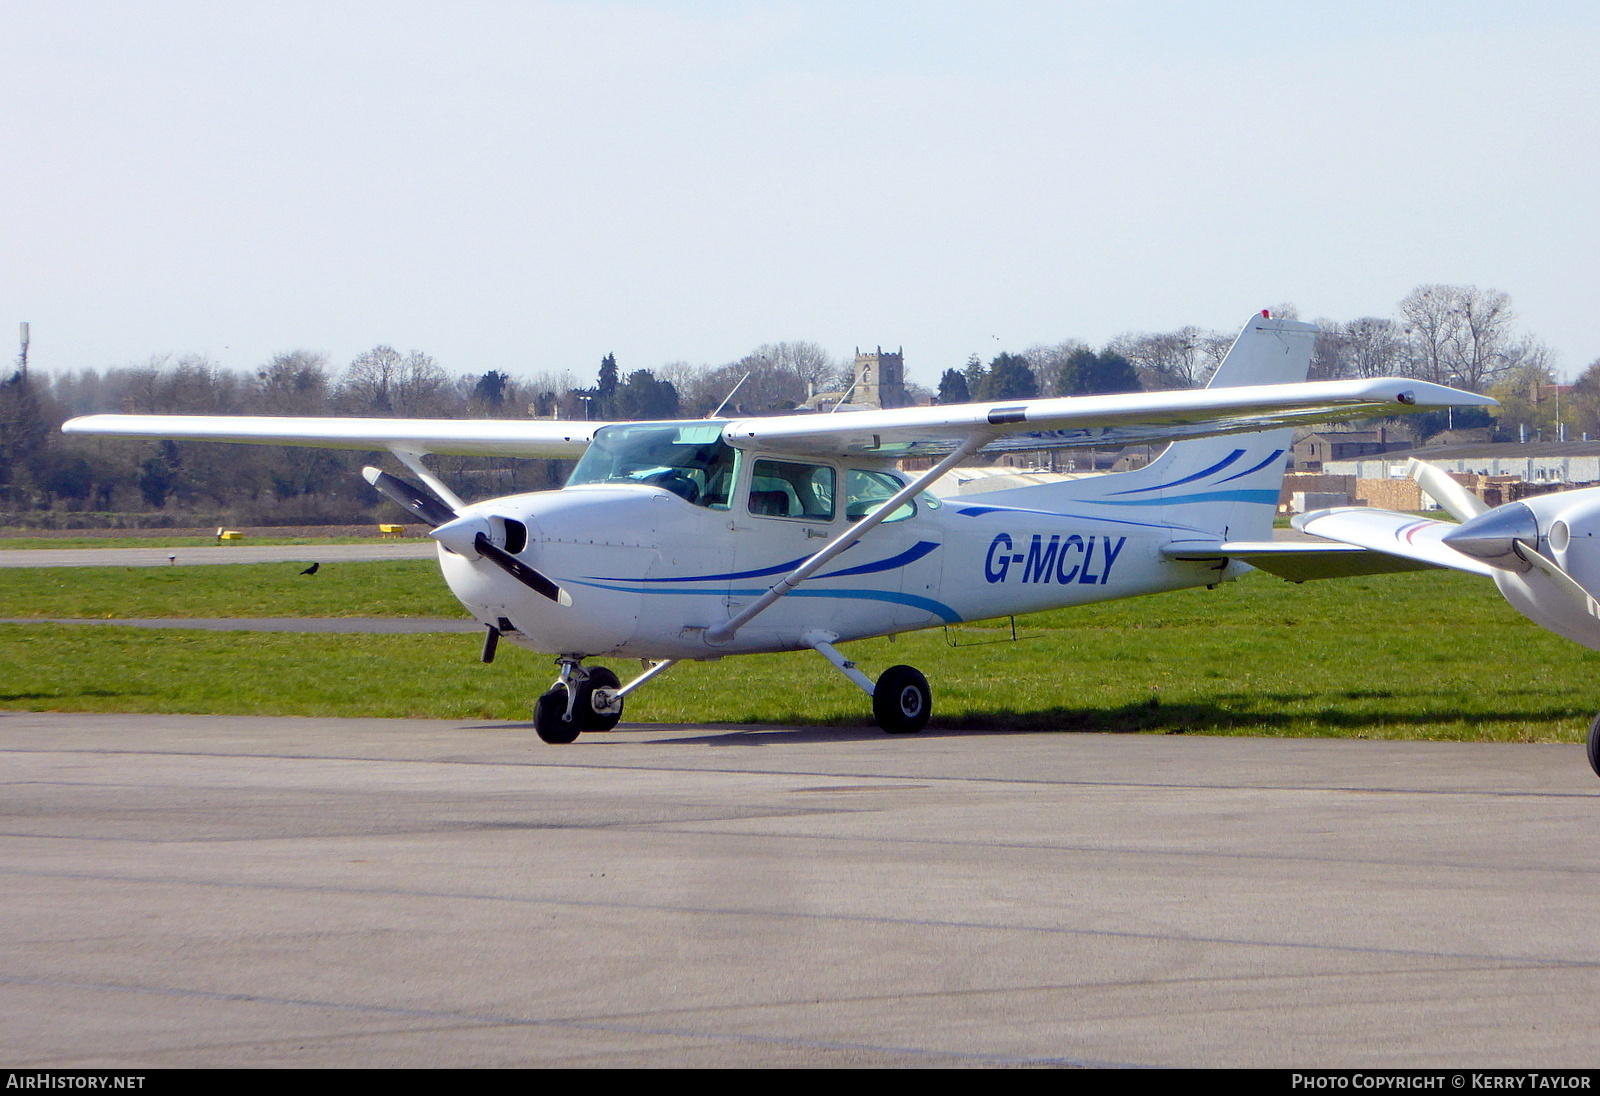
[209,891]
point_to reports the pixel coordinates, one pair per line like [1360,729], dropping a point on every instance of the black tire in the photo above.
[583,711]
[1594,745]
[550,718]
[901,700]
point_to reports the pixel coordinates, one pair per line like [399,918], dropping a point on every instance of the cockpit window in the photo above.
[790,489]
[689,459]
[866,490]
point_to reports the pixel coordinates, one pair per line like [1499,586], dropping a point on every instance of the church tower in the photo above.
[880,380]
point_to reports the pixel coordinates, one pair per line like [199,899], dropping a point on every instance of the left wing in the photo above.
[1106,421]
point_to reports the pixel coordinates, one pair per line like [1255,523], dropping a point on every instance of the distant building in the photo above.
[1551,462]
[1312,452]
[878,382]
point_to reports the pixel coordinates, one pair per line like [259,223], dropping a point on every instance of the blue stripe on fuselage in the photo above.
[910,555]
[1219,466]
[937,608]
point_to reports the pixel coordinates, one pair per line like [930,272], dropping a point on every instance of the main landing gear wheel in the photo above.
[901,700]
[584,711]
[550,718]
[1594,745]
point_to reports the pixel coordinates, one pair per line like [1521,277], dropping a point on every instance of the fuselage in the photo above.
[656,548]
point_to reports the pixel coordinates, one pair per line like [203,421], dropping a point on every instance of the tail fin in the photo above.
[1227,486]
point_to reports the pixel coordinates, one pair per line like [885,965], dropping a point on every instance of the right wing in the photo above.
[465,437]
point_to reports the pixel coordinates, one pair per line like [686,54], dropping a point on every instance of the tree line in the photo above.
[1462,336]
[44,472]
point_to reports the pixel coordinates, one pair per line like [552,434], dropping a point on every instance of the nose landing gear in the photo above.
[580,700]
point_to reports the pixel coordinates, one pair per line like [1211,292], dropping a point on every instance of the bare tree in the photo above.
[1369,347]
[1173,359]
[384,382]
[1484,348]
[808,362]
[293,383]
[1048,361]
[1462,335]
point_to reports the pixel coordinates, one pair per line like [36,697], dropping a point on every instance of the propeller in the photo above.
[1500,537]
[465,536]
[420,502]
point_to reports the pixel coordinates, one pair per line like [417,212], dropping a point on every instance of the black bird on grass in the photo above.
[311,570]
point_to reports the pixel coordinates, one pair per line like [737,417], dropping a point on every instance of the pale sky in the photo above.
[527,186]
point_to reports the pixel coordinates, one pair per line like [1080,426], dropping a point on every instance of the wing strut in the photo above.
[724,632]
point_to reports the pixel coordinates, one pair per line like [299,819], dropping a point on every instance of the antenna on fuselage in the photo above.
[728,397]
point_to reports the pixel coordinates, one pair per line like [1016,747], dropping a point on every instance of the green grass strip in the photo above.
[393,588]
[1422,656]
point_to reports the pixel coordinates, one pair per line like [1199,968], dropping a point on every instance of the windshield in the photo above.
[689,459]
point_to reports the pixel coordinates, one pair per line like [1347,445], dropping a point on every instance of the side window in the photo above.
[865,491]
[788,489]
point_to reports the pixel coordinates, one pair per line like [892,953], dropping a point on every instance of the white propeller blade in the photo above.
[1460,503]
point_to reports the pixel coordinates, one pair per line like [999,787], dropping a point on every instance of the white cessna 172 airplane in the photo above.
[699,539]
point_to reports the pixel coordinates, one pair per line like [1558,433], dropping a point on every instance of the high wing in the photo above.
[1062,422]
[462,437]
[1239,400]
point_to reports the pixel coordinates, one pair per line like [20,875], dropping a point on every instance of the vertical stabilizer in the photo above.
[1225,486]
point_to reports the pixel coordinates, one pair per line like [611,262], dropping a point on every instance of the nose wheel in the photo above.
[1594,745]
[581,700]
[550,718]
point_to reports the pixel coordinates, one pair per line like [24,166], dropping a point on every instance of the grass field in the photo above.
[395,588]
[1426,655]
[18,543]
